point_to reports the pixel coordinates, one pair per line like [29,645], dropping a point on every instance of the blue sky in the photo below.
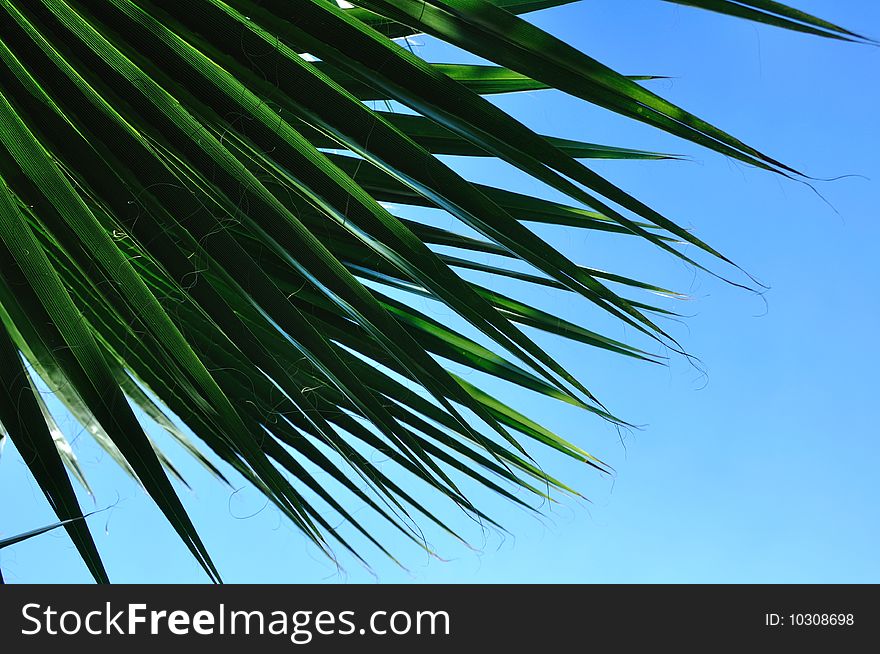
[758,466]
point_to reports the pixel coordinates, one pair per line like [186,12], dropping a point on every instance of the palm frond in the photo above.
[205,235]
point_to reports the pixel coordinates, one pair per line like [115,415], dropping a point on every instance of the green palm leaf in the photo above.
[190,230]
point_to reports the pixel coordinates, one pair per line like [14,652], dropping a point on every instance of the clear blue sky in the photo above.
[762,470]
